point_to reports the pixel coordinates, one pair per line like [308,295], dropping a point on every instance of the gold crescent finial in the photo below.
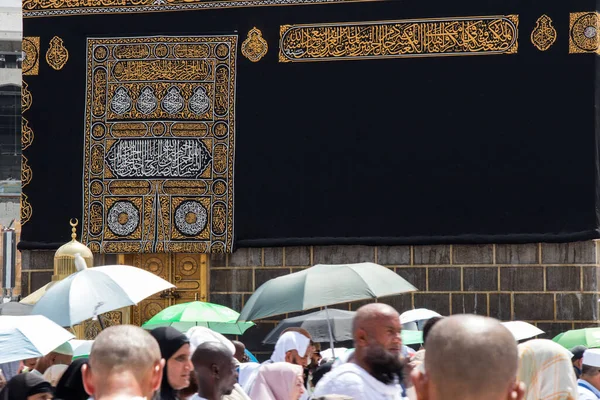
[73,228]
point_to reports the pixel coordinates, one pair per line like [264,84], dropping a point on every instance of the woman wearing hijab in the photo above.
[26,387]
[278,381]
[70,385]
[546,370]
[175,349]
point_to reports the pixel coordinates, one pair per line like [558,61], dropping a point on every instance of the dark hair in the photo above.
[320,372]
[427,327]
[589,370]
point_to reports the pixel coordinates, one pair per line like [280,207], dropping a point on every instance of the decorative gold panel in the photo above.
[543,35]
[403,38]
[583,32]
[26,134]
[31,49]
[188,272]
[254,47]
[160,123]
[57,54]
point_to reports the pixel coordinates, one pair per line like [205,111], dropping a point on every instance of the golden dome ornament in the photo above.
[254,47]
[57,54]
[64,258]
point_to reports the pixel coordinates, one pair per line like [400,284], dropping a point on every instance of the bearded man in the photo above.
[375,371]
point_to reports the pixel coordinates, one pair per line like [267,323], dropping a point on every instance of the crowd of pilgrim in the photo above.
[464,357]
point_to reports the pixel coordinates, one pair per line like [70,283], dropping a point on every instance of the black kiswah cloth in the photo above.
[24,385]
[170,341]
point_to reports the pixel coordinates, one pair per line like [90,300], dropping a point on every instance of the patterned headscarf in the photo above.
[545,368]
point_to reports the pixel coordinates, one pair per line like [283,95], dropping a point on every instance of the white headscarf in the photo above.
[54,373]
[290,341]
[545,368]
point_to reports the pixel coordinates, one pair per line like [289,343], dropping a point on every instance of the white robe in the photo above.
[351,380]
[586,394]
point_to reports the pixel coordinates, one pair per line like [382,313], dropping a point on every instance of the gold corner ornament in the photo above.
[26,98]
[543,35]
[26,134]
[255,46]
[583,32]
[57,54]
[26,210]
[26,172]
[31,53]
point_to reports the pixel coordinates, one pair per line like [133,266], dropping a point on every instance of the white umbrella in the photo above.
[81,348]
[418,314]
[522,330]
[93,291]
[29,336]
[328,353]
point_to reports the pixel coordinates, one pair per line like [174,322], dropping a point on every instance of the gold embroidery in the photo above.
[583,33]
[254,47]
[26,98]
[404,38]
[31,50]
[159,134]
[26,134]
[57,54]
[26,210]
[43,8]
[26,173]
[543,35]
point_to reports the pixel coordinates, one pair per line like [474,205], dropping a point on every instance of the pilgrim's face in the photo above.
[298,388]
[387,332]
[179,367]
[228,378]
[293,357]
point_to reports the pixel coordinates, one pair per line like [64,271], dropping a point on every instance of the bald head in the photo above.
[215,370]
[240,350]
[367,316]
[124,347]
[124,360]
[470,357]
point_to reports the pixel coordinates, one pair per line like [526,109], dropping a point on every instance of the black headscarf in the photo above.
[24,385]
[170,341]
[70,385]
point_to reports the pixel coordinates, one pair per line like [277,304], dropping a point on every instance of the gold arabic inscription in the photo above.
[403,38]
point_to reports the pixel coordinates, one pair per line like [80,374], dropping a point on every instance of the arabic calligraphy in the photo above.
[584,36]
[159,144]
[254,47]
[404,38]
[158,158]
[57,54]
[543,35]
[42,8]
[147,70]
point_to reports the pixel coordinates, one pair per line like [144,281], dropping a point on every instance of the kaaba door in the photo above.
[188,272]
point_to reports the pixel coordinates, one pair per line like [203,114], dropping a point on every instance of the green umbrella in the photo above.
[197,313]
[412,337]
[588,337]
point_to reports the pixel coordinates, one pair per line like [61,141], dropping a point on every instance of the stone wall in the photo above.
[554,286]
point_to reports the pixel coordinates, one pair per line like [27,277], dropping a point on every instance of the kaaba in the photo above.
[182,127]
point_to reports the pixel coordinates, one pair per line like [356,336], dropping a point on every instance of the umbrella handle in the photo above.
[102,327]
[330,332]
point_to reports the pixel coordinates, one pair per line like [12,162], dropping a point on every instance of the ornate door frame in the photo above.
[188,272]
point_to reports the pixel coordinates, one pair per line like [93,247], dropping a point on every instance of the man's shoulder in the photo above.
[586,394]
[345,379]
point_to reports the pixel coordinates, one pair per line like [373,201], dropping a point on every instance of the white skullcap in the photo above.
[200,334]
[65,349]
[290,341]
[591,358]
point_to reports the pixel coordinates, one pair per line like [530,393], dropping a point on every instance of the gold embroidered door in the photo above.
[188,272]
